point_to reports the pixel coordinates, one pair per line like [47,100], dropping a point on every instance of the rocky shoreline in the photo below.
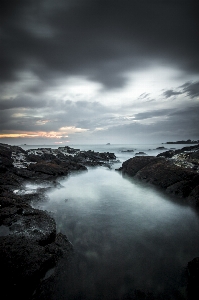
[177,173]
[29,243]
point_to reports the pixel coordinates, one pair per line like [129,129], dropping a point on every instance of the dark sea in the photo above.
[127,236]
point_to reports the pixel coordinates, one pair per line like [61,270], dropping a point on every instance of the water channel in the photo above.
[126,236]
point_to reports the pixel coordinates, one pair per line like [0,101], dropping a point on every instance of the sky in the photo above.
[99,71]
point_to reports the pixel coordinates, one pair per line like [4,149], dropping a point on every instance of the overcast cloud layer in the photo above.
[97,71]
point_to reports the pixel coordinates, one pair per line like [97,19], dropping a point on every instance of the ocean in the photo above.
[127,236]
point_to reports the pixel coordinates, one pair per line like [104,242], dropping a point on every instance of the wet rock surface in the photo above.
[193,279]
[29,243]
[175,171]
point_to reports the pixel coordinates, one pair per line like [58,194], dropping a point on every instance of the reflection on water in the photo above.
[125,235]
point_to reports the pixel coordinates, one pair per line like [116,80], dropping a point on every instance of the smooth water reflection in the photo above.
[125,235]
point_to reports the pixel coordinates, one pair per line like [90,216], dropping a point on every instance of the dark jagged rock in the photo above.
[23,173]
[29,246]
[24,263]
[160,148]
[34,158]
[49,168]
[174,171]
[91,158]
[10,181]
[193,279]
[193,197]
[54,168]
[139,162]
[140,153]
[184,142]
[171,153]
[165,174]
[127,150]
[167,154]
[194,155]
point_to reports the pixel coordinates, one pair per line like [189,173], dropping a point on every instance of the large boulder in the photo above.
[24,263]
[9,180]
[6,160]
[29,247]
[193,279]
[49,168]
[165,174]
[54,168]
[135,164]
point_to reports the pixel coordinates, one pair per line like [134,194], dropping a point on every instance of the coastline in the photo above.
[30,246]
[175,171]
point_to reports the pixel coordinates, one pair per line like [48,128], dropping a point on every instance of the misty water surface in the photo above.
[125,235]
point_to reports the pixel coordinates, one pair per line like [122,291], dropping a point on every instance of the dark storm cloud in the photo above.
[12,123]
[192,112]
[176,125]
[152,114]
[22,102]
[170,93]
[100,39]
[192,89]
[51,115]
[83,114]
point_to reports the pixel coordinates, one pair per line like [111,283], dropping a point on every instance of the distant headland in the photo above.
[184,142]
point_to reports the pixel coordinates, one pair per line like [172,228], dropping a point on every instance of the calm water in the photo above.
[126,235]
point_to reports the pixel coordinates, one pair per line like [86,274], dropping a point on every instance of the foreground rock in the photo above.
[29,246]
[29,243]
[177,172]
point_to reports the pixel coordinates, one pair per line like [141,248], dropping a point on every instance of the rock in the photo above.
[160,148]
[187,157]
[24,173]
[9,181]
[163,173]
[29,247]
[48,168]
[34,158]
[194,155]
[6,160]
[171,153]
[140,153]
[24,263]
[127,150]
[183,142]
[193,197]
[182,188]
[167,154]
[193,279]
[133,165]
